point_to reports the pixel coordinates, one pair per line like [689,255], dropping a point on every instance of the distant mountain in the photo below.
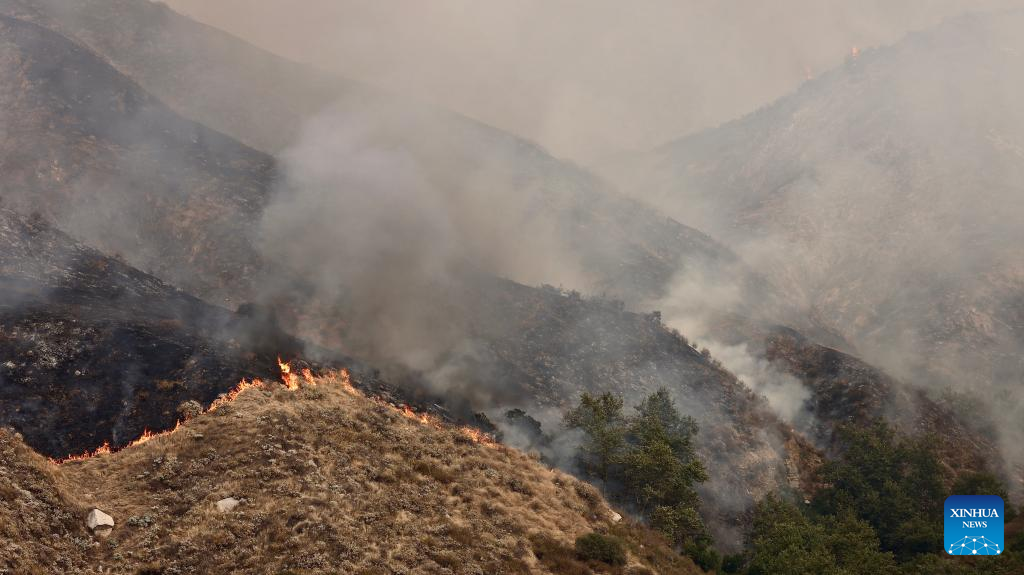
[885,196]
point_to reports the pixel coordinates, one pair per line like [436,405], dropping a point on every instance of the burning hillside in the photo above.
[186,204]
[321,479]
[95,352]
[411,255]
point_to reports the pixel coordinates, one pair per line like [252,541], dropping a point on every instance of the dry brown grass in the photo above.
[330,483]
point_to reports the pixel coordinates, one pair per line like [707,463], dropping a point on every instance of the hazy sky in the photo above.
[588,79]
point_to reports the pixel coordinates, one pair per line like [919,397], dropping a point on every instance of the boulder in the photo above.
[615,517]
[99,523]
[227,504]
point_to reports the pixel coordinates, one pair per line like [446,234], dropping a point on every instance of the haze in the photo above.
[586,79]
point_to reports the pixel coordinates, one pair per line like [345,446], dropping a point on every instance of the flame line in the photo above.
[291,382]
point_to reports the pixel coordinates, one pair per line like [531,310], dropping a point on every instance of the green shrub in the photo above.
[604,548]
[703,555]
[734,563]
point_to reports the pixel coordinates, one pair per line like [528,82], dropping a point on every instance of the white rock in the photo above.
[227,504]
[615,517]
[99,523]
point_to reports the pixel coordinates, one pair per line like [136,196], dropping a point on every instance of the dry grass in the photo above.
[330,483]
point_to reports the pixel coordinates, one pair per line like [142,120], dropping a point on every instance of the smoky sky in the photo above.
[588,79]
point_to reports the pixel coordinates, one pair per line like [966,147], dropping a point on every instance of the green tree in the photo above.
[984,483]
[855,546]
[895,484]
[604,427]
[647,460]
[658,420]
[661,468]
[786,541]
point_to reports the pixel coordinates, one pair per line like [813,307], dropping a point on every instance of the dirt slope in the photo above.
[329,482]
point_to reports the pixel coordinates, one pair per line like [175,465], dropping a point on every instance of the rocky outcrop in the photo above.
[227,505]
[100,523]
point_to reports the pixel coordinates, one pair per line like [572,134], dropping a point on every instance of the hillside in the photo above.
[269,103]
[93,351]
[327,481]
[117,169]
[884,196]
[844,390]
[84,146]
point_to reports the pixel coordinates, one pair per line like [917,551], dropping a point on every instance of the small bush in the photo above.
[435,471]
[703,555]
[733,563]
[463,535]
[557,557]
[587,493]
[604,548]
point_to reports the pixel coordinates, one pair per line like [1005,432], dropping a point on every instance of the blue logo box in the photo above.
[974,525]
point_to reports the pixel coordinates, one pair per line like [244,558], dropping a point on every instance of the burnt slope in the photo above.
[94,351]
[627,249]
[845,390]
[86,147]
[552,346]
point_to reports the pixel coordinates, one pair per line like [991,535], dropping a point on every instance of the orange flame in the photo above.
[346,382]
[340,377]
[144,438]
[291,380]
[478,436]
[234,393]
[148,435]
[472,433]
[101,450]
[854,52]
[424,418]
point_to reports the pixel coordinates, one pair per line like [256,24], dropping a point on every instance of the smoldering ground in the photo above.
[374,227]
